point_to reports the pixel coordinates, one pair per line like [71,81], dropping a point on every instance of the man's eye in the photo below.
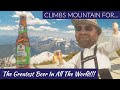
[88,28]
[78,28]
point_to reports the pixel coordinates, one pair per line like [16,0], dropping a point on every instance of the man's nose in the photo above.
[83,31]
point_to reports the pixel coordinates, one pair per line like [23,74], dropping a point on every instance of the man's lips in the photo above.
[84,38]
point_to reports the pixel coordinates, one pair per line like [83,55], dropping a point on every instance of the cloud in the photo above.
[36,21]
[108,28]
[31,20]
[107,31]
[27,13]
[70,27]
[48,28]
[33,28]
[70,32]
[42,28]
[9,27]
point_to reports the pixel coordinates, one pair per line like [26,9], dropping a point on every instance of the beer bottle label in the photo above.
[28,54]
[23,54]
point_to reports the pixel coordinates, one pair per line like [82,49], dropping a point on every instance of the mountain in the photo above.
[5,40]
[36,59]
[8,61]
[38,45]
[51,44]
[7,50]
[42,57]
[41,44]
[42,48]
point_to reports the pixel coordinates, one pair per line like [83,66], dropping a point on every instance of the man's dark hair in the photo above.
[99,30]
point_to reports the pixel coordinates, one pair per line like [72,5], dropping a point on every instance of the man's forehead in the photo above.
[84,24]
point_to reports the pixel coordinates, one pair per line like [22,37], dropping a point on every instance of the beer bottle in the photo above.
[22,45]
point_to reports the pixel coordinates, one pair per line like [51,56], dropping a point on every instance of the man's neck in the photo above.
[89,47]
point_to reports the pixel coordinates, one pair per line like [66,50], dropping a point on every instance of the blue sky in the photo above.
[10,17]
[9,21]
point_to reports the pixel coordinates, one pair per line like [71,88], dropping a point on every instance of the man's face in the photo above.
[86,35]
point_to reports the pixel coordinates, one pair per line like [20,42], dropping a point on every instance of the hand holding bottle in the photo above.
[59,56]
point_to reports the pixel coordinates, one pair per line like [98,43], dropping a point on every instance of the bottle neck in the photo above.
[23,21]
[22,26]
[22,30]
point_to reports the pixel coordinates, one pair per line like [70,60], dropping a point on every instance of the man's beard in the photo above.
[85,41]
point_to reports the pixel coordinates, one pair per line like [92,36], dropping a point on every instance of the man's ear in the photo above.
[99,31]
[75,35]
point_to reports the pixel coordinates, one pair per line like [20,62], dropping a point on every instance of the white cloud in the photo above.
[107,31]
[27,13]
[70,32]
[41,28]
[33,28]
[106,28]
[48,28]
[70,27]
[37,21]
[31,20]
[8,27]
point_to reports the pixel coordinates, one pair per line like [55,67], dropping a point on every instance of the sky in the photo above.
[36,25]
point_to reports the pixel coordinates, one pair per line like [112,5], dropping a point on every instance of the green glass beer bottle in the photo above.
[23,45]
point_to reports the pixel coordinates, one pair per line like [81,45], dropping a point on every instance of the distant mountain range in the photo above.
[42,44]
[44,56]
[7,50]
[51,44]
[38,45]
[7,40]
[42,48]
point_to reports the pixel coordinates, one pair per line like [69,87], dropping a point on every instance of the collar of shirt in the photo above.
[89,48]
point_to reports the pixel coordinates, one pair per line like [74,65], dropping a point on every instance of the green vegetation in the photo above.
[67,58]
[118,52]
[46,62]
